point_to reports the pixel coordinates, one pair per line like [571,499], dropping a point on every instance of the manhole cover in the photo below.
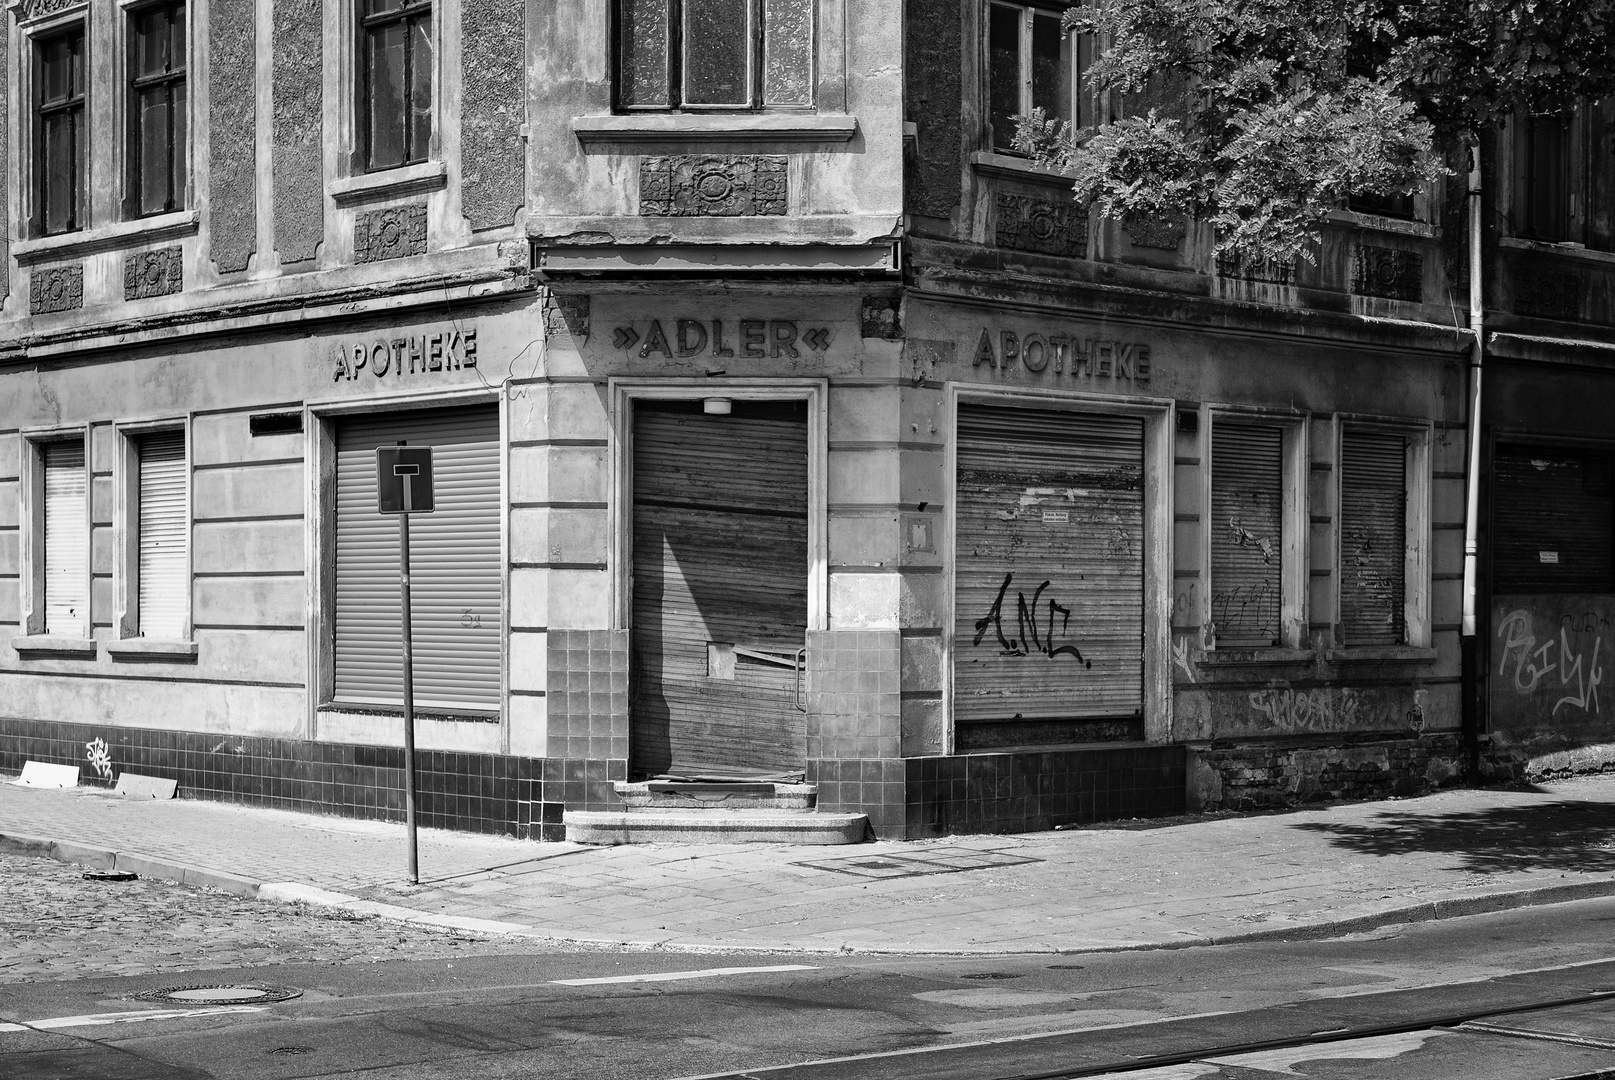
[110,875]
[219,995]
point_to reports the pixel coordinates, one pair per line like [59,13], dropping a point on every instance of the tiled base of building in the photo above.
[1249,776]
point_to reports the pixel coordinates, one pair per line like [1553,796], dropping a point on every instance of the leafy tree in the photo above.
[1262,116]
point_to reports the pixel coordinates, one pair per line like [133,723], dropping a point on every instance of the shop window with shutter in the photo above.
[1374,553]
[1553,519]
[1247,534]
[714,54]
[66,540]
[160,526]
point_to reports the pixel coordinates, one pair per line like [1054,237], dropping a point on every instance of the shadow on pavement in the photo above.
[1566,835]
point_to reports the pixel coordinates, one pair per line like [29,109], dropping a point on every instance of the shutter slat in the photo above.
[67,539]
[1247,548]
[1373,537]
[161,549]
[455,594]
[1056,497]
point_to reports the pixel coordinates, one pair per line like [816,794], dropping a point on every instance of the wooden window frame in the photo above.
[35,38]
[756,58]
[1081,55]
[126,528]
[362,27]
[178,156]
[1417,550]
[1294,470]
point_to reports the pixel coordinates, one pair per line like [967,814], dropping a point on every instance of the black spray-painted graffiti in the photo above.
[1520,645]
[1031,638]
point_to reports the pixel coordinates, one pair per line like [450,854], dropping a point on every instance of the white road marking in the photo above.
[671,976]
[99,1019]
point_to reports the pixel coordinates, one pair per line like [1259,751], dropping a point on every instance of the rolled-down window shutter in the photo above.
[1373,537]
[1247,543]
[1553,520]
[160,559]
[454,564]
[67,540]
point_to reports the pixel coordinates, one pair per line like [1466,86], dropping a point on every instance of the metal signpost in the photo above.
[404,487]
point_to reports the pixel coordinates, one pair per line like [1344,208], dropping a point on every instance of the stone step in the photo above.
[713,827]
[679,795]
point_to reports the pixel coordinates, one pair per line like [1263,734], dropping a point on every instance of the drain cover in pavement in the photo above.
[219,995]
[938,861]
[291,1050]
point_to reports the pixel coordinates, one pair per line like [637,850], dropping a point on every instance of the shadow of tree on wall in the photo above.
[1564,835]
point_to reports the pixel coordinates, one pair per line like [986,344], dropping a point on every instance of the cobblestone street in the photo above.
[57,925]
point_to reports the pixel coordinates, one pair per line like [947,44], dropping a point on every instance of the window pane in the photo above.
[60,172]
[788,52]
[420,93]
[1547,216]
[1247,543]
[152,147]
[151,43]
[182,175]
[1398,205]
[387,114]
[56,70]
[176,49]
[643,74]
[1052,52]
[1004,74]
[717,35]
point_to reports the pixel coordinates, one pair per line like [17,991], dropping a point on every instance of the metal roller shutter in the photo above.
[1553,520]
[160,558]
[1247,543]
[720,563]
[1373,537]
[67,540]
[454,564]
[1049,551]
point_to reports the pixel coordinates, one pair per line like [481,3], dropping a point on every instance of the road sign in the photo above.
[404,479]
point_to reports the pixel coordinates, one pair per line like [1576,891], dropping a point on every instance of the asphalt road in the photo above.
[395,1002]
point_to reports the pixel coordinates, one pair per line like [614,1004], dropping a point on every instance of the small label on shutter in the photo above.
[1547,556]
[1056,517]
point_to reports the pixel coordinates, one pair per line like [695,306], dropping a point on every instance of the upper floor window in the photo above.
[1032,63]
[1395,205]
[157,173]
[714,54]
[60,132]
[396,82]
[1544,179]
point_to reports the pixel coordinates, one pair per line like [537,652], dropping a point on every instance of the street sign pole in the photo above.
[409,694]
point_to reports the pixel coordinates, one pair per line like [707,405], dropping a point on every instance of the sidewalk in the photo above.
[1315,873]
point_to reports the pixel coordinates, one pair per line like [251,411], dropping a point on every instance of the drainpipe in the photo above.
[1469,640]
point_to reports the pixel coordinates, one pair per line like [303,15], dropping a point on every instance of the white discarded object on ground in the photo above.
[135,786]
[43,775]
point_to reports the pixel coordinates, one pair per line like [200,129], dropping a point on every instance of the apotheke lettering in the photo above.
[449,350]
[1065,354]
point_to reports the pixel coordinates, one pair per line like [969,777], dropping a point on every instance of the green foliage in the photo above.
[1262,116]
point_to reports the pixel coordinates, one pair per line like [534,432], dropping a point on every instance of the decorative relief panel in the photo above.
[38,9]
[55,288]
[1389,273]
[153,273]
[1273,271]
[1166,233]
[1051,228]
[1547,294]
[567,315]
[392,233]
[700,185]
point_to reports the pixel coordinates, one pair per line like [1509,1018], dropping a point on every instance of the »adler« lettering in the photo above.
[756,339]
[1069,355]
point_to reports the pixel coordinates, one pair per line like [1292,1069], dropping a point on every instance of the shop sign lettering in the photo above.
[447,350]
[756,339]
[1069,355]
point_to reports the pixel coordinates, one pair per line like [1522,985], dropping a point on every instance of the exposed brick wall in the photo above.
[1252,776]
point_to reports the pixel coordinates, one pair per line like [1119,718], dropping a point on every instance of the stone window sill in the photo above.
[169,650]
[1380,223]
[389,183]
[44,646]
[1568,251]
[124,234]
[1252,657]
[1381,654]
[718,127]
[1018,168]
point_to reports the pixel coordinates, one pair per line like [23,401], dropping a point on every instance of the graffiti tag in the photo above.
[1534,663]
[1322,709]
[1031,637]
[1180,657]
[100,759]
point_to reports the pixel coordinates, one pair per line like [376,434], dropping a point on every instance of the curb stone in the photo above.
[294,892]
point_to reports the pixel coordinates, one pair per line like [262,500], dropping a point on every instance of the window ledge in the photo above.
[107,238]
[47,645]
[1569,251]
[158,649]
[1380,223]
[389,183]
[759,127]
[1252,657]
[1381,654]
[1017,167]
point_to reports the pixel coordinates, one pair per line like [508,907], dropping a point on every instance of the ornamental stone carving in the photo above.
[1027,223]
[702,185]
[566,315]
[1271,271]
[55,288]
[38,9]
[389,234]
[1166,233]
[153,273]
[1546,294]
[1389,273]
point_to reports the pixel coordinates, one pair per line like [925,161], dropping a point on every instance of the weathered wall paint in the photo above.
[1549,655]
[298,165]
[232,137]
[493,157]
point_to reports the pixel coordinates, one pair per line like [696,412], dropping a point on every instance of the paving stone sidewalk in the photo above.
[1315,872]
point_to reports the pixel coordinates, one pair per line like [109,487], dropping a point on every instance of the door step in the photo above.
[678,795]
[713,826]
